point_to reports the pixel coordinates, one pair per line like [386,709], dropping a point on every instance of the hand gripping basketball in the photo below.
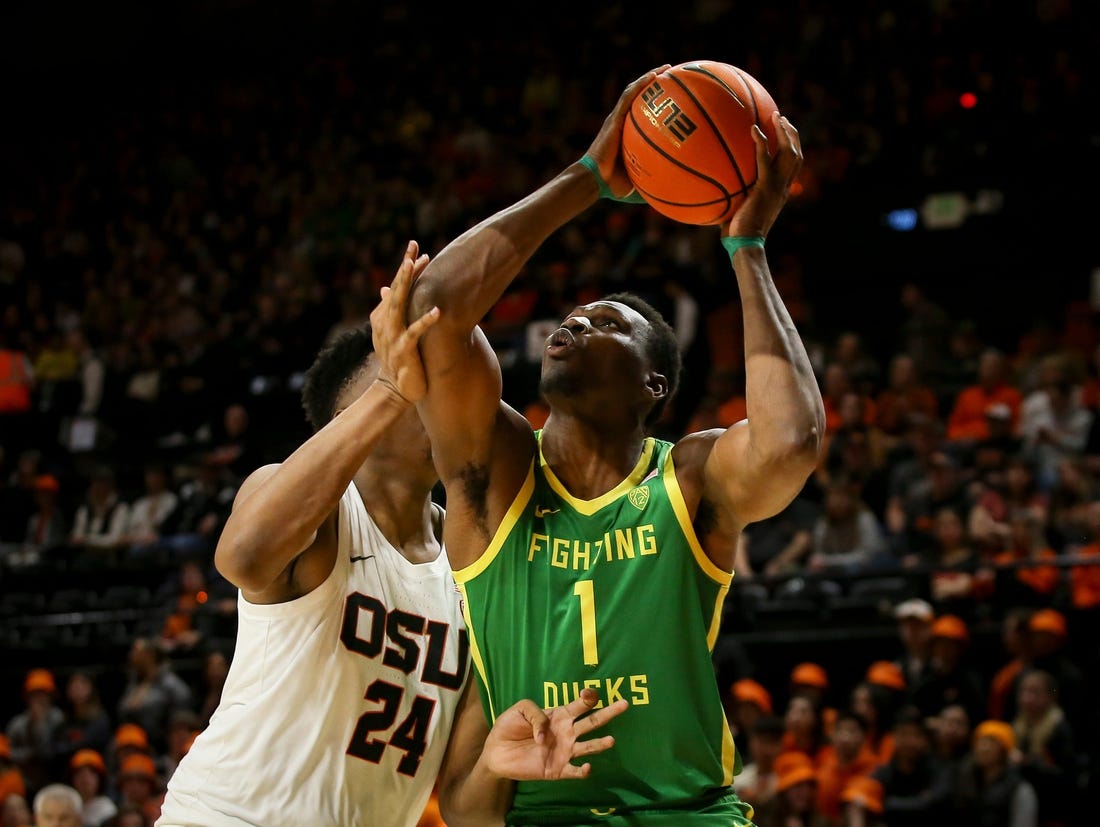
[605,152]
[531,744]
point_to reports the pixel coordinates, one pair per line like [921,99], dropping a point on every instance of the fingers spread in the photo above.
[593,746]
[601,717]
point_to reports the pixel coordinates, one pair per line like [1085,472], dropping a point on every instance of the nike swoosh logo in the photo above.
[542,512]
[367,557]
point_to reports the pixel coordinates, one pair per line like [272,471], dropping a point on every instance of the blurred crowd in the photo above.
[169,269]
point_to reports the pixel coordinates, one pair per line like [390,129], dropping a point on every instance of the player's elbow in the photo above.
[794,451]
[239,561]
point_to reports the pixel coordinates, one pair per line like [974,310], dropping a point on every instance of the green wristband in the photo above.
[589,163]
[733,243]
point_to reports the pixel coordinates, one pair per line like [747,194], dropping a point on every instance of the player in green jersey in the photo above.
[589,553]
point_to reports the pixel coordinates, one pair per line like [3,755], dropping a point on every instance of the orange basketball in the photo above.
[687,140]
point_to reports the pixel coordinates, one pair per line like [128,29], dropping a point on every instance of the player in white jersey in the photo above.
[352,654]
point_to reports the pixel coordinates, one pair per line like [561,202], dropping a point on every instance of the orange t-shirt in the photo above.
[967,419]
[11,783]
[1000,688]
[1042,579]
[832,776]
[1085,580]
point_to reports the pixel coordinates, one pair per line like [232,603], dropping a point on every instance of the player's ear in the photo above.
[657,385]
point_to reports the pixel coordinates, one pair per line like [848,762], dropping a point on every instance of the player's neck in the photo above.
[589,462]
[401,508]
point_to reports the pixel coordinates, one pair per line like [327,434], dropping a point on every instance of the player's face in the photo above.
[405,436]
[598,346]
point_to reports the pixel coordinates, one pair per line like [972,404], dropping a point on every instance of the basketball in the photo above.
[687,141]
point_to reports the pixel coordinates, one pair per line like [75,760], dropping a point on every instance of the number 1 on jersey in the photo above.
[583,590]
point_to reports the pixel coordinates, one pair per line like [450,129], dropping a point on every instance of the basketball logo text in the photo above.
[663,111]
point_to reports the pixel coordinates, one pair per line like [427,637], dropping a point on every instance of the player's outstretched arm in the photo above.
[757,468]
[468,276]
[526,744]
[285,511]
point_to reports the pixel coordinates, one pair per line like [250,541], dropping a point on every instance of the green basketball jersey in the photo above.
[617,594]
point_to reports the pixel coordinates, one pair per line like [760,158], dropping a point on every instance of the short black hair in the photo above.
[336,367]
[662,347]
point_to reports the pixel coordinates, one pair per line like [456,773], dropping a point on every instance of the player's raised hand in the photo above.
[395,341]
[777,167]
[606,148]
[532,744]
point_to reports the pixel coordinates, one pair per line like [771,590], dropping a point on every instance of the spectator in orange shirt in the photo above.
[836,384]
[804,727]
[905,395]
[967,421]
[11,779]
[877,699]
[1016,640]
[862,798]
[795,802]
[847,756]
[1017,582]
[1085,579]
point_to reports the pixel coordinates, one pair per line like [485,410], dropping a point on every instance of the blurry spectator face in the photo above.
[79,689]
[954,727]
[990,368]
[802,796]
[903,372]
[142,657]
[216,669]
[191,578]
[851,409]
[1035,695]
[15,812]
[156,480]
[764,748]
[87,782]
[835,383]
[848,737]
[1018,477]
[53,812]
[910,741]
[840,503]
[236,420]
[988,752]
[800,717]
[130,819]
[949,528]
[863,704]
[946,654]
[915,634]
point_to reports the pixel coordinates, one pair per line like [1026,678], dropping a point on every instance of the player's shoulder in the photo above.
[695,446]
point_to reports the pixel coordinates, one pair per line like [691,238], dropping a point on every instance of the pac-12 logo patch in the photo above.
[638,497]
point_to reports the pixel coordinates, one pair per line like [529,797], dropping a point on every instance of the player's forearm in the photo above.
[270,526]
[468,276]
[785,412]
[477,799]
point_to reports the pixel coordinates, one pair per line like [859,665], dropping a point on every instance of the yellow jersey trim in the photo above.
[679,507]
[475,652]
[729,754]
[468,573]
[590,507]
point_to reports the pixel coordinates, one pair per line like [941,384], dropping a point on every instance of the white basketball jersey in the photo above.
[338,705]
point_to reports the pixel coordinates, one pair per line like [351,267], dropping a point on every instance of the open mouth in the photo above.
[559,340]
